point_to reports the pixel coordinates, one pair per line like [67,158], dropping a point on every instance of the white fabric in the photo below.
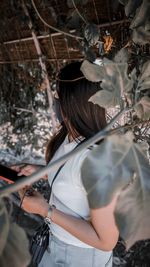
[68,193]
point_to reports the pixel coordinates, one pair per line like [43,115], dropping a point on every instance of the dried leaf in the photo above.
[92,72]
[91,33]
[108,41]
[119,166]
[142,108]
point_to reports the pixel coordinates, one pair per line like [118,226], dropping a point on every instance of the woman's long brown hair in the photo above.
[81,117]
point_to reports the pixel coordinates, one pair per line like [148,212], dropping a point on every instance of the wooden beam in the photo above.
[108,24]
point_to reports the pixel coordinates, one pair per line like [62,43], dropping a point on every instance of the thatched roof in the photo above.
[16,41]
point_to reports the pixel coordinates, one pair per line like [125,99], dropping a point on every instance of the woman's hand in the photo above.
[35,203]
[27,170]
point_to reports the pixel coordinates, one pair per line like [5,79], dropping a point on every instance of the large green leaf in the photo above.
[131,7]
[142,108]
[92,72]
[142,13]
[14,246]
[123,2]
[114,82]
[16,252]
[115,78]
[106,99]
[4,226]
[122,56]
[141,36]
[119,166]
[144,78]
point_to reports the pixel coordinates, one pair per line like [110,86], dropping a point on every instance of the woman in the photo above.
[80,236]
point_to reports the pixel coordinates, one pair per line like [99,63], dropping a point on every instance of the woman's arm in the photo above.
[100,233]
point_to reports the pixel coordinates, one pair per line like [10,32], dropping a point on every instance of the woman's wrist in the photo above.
[44,211]
[50,213]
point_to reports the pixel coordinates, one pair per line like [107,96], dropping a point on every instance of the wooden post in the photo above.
[44,69]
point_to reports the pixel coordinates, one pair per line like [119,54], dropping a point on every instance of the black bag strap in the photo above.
[59,169]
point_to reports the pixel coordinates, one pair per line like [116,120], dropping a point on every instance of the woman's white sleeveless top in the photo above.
[68,193]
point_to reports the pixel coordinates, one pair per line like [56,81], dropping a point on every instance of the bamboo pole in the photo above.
[107,24]
[43,67]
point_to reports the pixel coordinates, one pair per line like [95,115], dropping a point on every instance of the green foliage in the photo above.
[91,34]
[92,72]
[71,3]
[114,81]
[122,56]
[142,108]
[131,6]
[139,11]
[14,247]
[144,77]
[119,166]
[73,20]
[4,226]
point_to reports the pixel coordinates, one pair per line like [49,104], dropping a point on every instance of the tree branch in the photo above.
[52,27]
[78,12]
[33,112]
[57,163]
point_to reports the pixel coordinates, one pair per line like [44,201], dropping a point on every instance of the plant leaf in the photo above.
[114,82]
[131,7]
[144,78]
[116,77]
[123,2]
[142,13]
[142,108]
[116,166]
[91,33]
[4,226]
[92,72]
[106,98]
[16,250]
[141,36]
[73,19]
[122,56]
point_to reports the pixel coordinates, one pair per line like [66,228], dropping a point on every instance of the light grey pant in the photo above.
[60,254]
